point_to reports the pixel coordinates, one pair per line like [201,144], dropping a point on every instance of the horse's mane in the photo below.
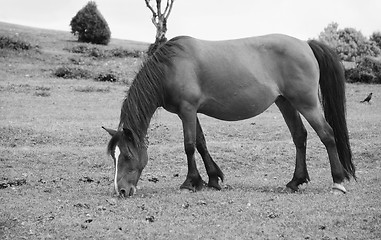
[147,93]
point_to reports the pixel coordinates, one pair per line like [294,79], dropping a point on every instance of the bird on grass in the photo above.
[367,99]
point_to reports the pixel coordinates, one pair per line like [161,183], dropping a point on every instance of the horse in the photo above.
[234,80]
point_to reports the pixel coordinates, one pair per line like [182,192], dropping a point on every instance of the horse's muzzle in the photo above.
[127,192]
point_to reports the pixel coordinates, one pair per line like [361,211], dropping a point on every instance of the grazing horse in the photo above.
[234,80]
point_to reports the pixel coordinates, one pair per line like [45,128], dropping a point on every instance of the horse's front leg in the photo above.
[193,180]
[212,169]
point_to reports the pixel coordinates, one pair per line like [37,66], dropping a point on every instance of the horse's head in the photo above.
[129,157]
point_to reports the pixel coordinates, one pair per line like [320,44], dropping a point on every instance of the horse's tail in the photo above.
[332,86]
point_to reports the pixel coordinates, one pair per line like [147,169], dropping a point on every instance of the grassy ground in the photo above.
[56,179]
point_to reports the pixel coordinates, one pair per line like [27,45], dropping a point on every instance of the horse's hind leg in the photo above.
[299,136]
[212,169]
[316,119]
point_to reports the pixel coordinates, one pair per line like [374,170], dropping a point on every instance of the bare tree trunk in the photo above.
[159,19]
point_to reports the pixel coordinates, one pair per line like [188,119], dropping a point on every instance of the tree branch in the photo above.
[154,15]
[149,6]
[168,8]
[159,18]
[158,6]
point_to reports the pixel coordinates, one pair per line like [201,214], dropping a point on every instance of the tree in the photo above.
[330,35]
[354,46]
[376,37]
[90,26]
[350,44]
[159,19]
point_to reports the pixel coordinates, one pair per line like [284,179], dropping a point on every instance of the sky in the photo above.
[204,19]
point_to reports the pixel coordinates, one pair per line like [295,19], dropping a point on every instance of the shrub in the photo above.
[96,52]
[77,61]
[7,42]
[90,26]
[79,49]
[368,70]
[72,72]
[90,89]
[41,93]
[43,88]
[107,77]
[121,53]
[88,50]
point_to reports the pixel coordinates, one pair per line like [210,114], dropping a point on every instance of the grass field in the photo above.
[56,179]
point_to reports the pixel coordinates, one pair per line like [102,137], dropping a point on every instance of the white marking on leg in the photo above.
[116,155]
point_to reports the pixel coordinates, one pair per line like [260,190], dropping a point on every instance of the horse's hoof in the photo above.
[193,187]
[291,187]
[187,188]
[214,185]
[289,190]
[337,188]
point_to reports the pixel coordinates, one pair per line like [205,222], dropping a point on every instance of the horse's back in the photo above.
[238,79]
[265,58]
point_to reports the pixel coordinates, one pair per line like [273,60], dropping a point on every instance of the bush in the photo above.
[90,89]
[72,72]
[7,42]
[97,53]
[90,26]
[79,49]
[121,53]
[368,70]
[106,77]
[42,93]
[89,51]
[103,53]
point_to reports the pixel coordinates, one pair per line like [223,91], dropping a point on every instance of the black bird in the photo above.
[367,99]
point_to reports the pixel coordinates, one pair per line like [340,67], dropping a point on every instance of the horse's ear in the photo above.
[128,133]
[110,131]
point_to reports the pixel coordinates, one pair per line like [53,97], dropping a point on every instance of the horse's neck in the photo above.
[137,121]
[143,126]
[144,97]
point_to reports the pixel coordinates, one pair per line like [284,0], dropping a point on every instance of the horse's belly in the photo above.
[235,108]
